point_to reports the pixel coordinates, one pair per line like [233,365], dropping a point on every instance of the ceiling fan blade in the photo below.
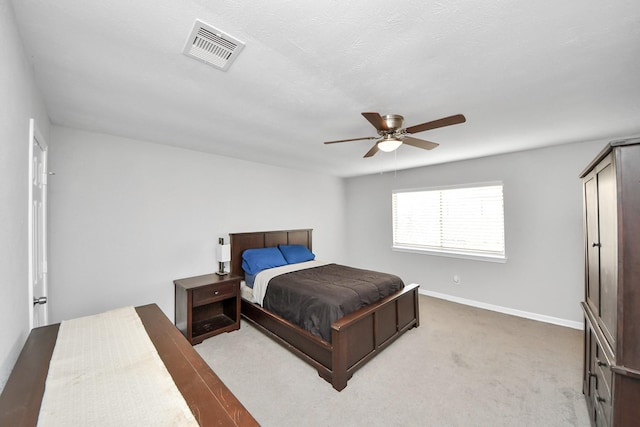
[376,120]
[420,143]
[352,139]
[373,150]
[447,121]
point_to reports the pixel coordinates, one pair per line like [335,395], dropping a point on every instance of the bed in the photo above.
[355,338]
[209,400]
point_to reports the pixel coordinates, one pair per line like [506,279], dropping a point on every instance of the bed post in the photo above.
[339,376]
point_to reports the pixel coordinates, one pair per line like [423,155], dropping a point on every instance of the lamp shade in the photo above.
[223,253]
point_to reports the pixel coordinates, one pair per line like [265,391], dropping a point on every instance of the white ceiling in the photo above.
[525,73]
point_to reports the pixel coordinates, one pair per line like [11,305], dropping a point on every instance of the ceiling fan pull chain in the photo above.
[395,164]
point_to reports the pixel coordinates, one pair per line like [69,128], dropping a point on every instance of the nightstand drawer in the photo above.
[209,294]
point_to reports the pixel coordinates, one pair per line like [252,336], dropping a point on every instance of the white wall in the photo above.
[128,217]
[19,101]
[543,229]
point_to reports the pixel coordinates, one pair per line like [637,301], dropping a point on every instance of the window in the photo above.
[462,221]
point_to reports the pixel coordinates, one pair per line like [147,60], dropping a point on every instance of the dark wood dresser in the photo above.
[611,194]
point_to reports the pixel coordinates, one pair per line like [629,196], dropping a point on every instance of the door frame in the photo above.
[35,137]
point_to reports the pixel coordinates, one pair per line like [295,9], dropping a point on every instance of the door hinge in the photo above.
[40,301]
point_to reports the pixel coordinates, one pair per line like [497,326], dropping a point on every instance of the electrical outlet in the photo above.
[456,279]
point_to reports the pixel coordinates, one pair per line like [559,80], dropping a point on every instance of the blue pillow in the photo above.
[256,260]
[296,253]
[249,279]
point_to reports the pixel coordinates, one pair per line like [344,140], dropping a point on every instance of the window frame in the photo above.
[446,252]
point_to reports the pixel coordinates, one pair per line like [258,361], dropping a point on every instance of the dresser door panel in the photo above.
[593,252]
[608,252]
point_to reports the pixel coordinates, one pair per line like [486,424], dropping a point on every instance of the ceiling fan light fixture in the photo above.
[389,143]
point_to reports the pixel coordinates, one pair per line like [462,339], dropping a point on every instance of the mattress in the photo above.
[317,294]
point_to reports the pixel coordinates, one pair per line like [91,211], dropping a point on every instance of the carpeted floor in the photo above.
[462,367]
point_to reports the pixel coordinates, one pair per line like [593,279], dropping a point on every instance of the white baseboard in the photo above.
[527,315]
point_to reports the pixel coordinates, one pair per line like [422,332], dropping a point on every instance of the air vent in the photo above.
[212,46]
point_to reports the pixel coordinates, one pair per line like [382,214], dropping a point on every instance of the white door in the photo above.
[38,312]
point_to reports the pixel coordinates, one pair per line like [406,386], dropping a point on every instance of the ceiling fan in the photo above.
[391,134]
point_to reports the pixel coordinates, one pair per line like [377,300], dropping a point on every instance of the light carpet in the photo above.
[463,366]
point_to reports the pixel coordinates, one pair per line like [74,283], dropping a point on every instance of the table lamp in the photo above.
[223,254]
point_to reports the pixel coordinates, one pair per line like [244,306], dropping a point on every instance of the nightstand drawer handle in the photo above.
[216,292]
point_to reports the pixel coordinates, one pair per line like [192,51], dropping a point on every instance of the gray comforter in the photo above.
[316,297]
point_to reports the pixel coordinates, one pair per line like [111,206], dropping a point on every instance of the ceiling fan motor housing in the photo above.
[393,121]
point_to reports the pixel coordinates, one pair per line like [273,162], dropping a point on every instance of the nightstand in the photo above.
[207,305]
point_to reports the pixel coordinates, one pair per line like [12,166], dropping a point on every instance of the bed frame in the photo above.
[355,338]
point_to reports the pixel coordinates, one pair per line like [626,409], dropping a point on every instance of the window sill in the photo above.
[453,254]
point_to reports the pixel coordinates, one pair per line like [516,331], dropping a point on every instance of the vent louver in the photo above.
[212,46]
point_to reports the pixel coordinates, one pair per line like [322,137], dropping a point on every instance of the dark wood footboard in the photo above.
[359,336]
[356,338]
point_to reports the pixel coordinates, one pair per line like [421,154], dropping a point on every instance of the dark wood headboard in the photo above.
[265,239]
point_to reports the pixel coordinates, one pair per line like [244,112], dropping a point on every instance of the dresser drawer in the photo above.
[601,418]
[217,292]
[603,372]
[603,395]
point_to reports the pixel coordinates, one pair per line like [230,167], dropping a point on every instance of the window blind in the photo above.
[463,220]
